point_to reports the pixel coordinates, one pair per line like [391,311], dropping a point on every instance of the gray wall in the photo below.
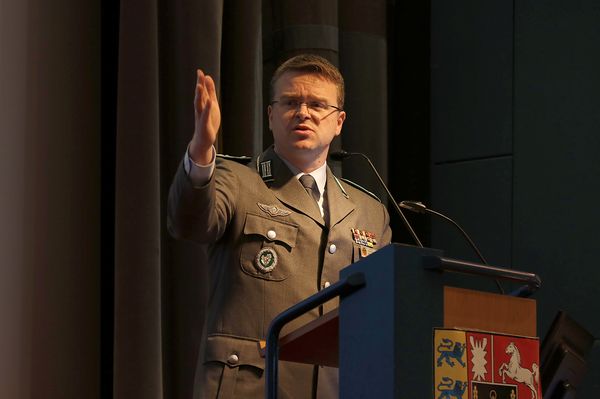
[50,199]
[515,123]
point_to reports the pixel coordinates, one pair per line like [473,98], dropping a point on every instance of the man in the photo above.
[275,236]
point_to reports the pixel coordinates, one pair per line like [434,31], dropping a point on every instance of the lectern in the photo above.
[389,304]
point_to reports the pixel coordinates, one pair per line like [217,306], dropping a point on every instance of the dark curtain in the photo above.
[159,283]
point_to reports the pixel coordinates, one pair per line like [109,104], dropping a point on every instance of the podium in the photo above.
[389,304]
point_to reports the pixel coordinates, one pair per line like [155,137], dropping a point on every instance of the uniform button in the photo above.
[271,234]
[326,284]
[233,359]
[332,248]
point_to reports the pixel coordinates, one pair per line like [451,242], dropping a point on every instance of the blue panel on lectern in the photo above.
[401,302]
[386,327]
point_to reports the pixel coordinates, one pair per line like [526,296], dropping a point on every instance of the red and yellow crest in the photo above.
[481,365]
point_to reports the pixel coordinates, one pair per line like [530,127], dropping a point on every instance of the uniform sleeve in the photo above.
[199,174]
[202,213]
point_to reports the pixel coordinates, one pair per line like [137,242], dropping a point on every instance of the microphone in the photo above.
[419,207]
[341,155]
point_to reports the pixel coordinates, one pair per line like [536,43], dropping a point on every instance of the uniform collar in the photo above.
[336,194]
[286,187]
[320,174]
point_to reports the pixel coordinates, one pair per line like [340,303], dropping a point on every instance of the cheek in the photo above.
[275,124]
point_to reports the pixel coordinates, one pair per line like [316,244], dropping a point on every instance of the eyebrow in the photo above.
[311,97]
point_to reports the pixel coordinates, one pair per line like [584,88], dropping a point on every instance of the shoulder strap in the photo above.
[361,188]
[244,160]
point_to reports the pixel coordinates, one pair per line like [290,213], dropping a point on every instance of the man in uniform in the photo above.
[278,228]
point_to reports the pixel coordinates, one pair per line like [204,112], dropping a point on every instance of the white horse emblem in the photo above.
[520,374]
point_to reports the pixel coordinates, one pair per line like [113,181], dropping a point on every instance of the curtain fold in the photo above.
[137,314]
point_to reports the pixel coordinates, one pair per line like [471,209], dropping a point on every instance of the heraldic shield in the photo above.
[481,365]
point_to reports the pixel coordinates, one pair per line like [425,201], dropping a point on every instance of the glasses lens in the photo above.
[294,104]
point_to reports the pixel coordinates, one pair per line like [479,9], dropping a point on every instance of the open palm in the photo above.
[207,118]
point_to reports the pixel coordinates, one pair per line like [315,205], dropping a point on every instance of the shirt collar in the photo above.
[320,174]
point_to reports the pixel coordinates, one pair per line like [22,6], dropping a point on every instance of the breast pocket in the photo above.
[267,249]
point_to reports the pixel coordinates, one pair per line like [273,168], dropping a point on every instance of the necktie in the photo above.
[310,185]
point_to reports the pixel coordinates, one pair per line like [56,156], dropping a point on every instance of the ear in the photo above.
[270,114]
[340,121]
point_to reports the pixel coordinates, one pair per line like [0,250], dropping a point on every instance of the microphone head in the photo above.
[414,206]
[339,155]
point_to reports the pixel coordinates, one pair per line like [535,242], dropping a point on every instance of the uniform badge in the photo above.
[371,240]
[273,210]
[266,260]
[366,241]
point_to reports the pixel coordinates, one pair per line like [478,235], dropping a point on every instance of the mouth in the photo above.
[302,129]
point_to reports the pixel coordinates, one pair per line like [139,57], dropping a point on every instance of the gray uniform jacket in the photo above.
[269,248]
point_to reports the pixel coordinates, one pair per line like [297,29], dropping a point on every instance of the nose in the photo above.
[302,111]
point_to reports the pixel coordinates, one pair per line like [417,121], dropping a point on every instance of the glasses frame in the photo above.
[307,103]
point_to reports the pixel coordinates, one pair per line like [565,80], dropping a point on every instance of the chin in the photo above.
[305,148]
[303,144]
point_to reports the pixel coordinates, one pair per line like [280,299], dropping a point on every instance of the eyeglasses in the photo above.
[315,107]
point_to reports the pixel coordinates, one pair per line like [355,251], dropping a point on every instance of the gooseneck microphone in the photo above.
[419,207]
[341,155]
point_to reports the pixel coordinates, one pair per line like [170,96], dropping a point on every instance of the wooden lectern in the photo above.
[384,328]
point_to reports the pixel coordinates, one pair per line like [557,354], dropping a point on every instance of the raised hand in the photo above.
[207,119]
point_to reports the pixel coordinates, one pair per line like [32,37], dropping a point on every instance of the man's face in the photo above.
[302,134]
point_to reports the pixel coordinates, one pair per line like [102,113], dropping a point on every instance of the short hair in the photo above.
[311,63]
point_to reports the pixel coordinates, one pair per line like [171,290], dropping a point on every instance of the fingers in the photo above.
[210,87]
[206,107]
[204,117]
[201,95]
[199,83]
[205,91]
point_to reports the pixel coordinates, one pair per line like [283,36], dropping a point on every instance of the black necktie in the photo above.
[310,185]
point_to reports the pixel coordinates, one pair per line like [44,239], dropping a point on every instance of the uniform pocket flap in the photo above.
[271,230]
[233,351]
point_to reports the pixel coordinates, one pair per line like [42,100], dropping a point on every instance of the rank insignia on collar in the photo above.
[265,170]
[266,260]
[273,210]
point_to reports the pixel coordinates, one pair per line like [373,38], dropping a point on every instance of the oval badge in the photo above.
[266,260]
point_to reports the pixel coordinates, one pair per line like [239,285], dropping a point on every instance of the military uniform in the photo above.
[269,248]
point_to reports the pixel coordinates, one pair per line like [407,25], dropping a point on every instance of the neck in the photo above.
[304,164]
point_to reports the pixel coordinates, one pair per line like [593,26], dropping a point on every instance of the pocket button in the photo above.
[233,359]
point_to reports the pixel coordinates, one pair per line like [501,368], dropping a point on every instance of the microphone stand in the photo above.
[341,155]
[419,207]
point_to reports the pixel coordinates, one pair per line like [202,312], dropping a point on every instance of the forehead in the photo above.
[297,83]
